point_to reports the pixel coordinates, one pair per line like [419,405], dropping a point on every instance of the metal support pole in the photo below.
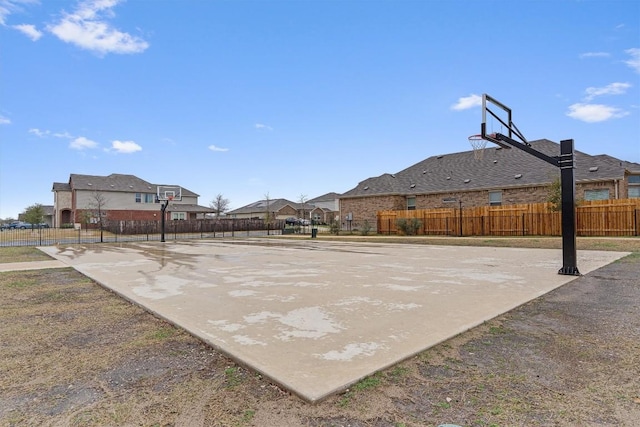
[163,208]
[568,184]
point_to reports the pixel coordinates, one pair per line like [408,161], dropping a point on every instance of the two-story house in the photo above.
[117,197]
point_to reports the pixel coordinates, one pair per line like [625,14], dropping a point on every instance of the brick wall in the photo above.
[124,215]
[365,208]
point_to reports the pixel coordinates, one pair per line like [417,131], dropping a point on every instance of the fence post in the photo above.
[523,225]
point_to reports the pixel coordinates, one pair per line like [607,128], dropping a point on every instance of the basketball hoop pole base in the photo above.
[569,271]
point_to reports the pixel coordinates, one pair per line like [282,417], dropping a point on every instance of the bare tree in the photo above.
[302,200]
[268,212]
[98,205]
[220,205]
[268,216]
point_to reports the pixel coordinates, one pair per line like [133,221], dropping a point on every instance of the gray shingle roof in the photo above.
[61,186]
[500,168]
[114,182]
[325,198]
[274,206]
[189,208]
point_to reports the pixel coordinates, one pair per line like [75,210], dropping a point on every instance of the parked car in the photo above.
[291,221]
[23,225]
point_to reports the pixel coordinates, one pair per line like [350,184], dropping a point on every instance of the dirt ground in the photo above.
[73,353]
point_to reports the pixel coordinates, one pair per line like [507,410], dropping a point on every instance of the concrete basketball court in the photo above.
[317,316]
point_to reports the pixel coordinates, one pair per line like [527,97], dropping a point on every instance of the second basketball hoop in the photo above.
[478,143]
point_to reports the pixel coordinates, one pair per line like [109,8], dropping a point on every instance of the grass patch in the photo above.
[367,383]
[232,376]
[22,254]
[633,257]
[22,283]
[163,333]
[497,330]
[248,416]
[398,372]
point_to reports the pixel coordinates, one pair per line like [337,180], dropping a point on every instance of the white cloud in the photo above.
[214,148]
[88,29]
[611,89]
[634,62]
[66,135]
[125,147]
[7,7]
[39,133]
[467,102]
[4,121]
[262,126]
[595,55]
[593,113]
[29,30]
[82,143]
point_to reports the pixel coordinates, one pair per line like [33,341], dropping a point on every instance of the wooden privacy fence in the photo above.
[594,218]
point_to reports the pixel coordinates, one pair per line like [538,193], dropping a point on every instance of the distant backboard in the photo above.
[168,193]
[497,118]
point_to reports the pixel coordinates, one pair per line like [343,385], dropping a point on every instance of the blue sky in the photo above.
[298,98]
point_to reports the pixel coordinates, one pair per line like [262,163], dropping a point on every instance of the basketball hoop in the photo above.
[169,199]
[478,144]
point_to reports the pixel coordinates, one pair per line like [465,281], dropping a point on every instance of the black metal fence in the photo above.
[132,231]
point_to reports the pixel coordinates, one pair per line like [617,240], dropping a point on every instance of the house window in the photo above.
[149,198]
[411,203]
[495,198]
[602,194]
[634,186]
[180,216]
[138,198]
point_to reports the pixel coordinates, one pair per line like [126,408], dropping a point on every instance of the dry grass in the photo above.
[22,254]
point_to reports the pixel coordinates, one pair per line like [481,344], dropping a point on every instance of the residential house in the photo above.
[502,176]
[117,197]
[277,208]
[321,209]
[326,208]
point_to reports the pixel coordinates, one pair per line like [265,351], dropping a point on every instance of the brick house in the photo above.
[321,209]
[277,208]
[325,208]
[120,198]
[502,176]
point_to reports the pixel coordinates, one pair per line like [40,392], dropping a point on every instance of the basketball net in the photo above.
[478,144]
[169,199]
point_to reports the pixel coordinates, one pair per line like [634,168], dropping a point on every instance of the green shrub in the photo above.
[366,228]
[334,227]
[408,227]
